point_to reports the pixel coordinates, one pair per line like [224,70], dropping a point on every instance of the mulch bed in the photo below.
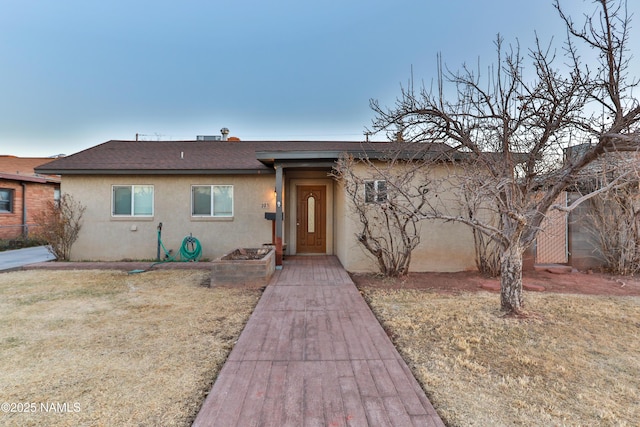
[537,281]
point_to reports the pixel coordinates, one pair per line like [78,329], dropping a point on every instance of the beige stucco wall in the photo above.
[343,237]
[104,237]
[444,247]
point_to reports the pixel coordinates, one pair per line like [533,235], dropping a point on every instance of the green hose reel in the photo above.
[190,250]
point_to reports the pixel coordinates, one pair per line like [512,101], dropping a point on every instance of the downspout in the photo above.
[25,229]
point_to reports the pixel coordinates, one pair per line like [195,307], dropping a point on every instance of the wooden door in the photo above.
[311,224]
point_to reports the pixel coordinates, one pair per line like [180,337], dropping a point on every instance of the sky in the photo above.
[76,73]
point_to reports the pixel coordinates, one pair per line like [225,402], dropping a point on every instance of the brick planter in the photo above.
[247,267]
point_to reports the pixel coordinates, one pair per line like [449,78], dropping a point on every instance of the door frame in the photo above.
[315,240]
[292,213]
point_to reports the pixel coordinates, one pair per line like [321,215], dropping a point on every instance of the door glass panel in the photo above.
[311,214]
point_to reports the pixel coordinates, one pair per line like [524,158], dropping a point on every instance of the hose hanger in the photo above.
[190,251]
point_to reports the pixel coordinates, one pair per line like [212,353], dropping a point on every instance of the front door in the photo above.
[311,224]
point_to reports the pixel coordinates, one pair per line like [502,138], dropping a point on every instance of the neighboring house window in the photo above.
[375,191]
[212,200]
[132,200]
[6,200]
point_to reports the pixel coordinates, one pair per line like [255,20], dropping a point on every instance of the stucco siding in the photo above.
[104,237]
[340,237]
[444,247]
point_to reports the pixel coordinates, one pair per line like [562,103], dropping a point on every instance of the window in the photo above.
[375,191]
[6,200]
[212,200]
[311,214]
[132,200]
[56,197]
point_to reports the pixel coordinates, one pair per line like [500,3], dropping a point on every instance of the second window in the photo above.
[212,200]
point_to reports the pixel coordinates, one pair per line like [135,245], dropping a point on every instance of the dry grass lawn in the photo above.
[576,364]
[107,348]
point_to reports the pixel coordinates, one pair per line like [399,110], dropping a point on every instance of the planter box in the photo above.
[245,266]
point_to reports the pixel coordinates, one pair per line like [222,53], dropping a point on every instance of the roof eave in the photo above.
[271,157]
[30,178]
[264,171]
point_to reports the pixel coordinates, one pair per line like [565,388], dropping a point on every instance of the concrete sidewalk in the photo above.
[312,353]
[18,258]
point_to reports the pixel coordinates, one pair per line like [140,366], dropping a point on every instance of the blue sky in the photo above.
[75,73]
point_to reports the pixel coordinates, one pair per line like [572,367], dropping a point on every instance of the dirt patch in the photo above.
[545,281]
[246,254]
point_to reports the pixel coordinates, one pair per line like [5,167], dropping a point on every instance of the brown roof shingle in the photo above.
[117,157]
[159,156]
[23,169]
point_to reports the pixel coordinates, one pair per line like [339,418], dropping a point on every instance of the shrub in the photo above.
[59,225]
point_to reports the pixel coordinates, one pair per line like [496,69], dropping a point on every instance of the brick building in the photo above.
[23,194]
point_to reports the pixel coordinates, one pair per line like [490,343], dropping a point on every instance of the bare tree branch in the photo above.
[532,137]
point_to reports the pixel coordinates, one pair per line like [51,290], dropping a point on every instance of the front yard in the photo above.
[574,362]
[107,348]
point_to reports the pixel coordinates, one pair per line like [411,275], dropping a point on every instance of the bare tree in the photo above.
[480,208]
[59,225]
[387,198]
[516,122]
[613,216]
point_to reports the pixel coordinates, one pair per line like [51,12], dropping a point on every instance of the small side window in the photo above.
[6,200]
[375,191]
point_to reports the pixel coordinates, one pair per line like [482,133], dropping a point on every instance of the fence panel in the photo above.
[552,242]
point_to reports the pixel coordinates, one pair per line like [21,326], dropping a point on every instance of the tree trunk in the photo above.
[511,279]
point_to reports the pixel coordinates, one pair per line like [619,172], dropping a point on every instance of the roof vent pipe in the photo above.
[225,133]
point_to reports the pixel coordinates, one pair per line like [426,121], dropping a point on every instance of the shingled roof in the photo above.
[197,157]
[23,169]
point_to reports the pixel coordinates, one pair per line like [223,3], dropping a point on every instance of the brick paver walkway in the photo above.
[312,353]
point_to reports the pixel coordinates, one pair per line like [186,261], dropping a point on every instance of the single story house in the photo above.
[23,194]
[231,194]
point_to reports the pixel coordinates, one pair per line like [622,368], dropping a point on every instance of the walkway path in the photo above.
[312,353]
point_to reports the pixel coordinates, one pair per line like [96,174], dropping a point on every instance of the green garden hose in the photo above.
[190,250]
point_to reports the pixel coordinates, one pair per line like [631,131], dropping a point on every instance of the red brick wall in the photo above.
[37,197]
